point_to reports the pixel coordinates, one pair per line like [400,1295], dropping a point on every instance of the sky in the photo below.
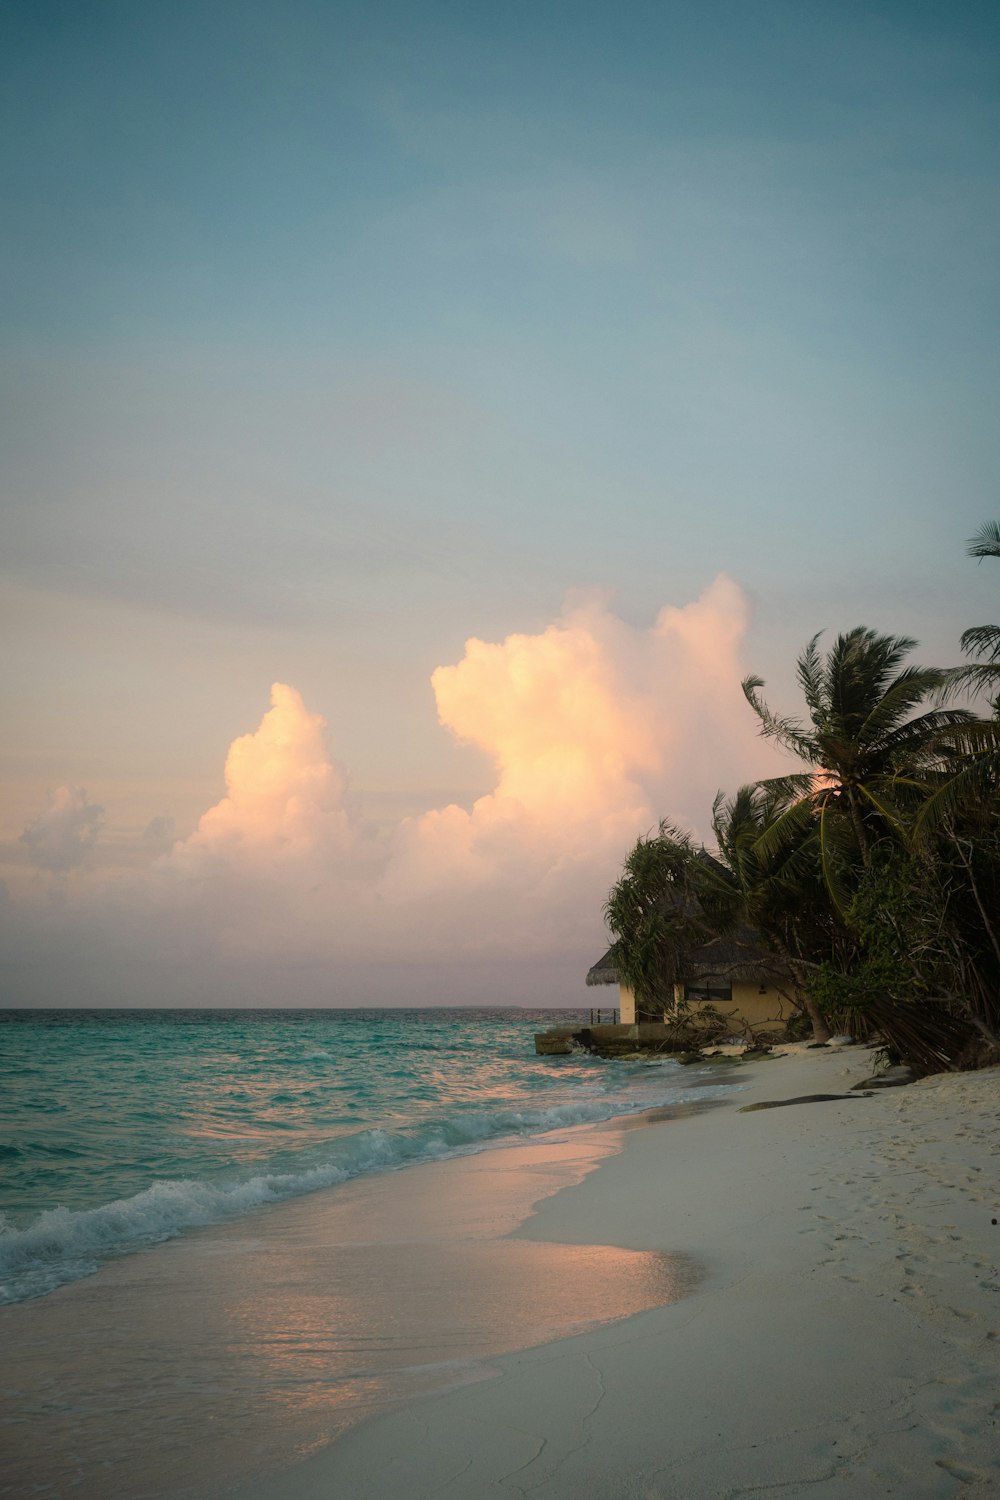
[416,419]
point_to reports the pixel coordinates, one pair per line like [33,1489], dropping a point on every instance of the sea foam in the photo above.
[62,1245]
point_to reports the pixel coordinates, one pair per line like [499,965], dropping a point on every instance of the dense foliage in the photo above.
[872,877]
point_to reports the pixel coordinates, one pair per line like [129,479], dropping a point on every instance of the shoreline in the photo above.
[843,1344]
[200,1363]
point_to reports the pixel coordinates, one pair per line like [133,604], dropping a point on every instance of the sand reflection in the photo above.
[230,1353]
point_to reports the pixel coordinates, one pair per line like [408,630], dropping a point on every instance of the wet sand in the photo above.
[236,1352]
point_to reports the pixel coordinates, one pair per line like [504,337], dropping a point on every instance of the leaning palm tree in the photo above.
[869,753]
[875,755]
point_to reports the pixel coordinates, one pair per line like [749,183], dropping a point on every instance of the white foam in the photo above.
[62,1244]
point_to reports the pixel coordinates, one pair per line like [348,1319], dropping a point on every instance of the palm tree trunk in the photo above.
[859,827]
[821,1031]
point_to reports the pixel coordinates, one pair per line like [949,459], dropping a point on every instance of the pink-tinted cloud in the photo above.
[284,802]
[595,728]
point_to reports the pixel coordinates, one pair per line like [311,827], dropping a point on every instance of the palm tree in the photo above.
[959,826]
[982,641]
[674,898]
[659,911]
[869,757]
[972,778]
[779,895]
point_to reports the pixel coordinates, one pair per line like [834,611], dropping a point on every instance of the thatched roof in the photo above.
[604,971]
[738,957]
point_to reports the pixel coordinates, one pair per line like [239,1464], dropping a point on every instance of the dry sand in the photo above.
[842,1345]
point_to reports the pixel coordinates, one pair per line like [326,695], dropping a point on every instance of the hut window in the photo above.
[713,994]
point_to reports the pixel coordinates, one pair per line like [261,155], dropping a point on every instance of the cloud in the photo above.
[284,803]
[158,834]
[595,728]
[61,837]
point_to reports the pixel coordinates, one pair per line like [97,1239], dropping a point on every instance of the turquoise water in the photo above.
[119,1129]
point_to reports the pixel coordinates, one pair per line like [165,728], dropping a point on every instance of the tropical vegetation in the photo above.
[872,875]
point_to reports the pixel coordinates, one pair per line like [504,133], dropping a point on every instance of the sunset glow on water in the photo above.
[308,1282]
[125,1129]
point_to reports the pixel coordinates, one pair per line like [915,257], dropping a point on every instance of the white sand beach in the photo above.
[843,1343]
[694,1304]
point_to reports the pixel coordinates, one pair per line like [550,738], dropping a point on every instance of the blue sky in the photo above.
[336,334]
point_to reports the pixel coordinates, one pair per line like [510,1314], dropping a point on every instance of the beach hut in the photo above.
[732,977]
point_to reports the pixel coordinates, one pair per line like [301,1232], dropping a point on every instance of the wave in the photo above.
[63,1245]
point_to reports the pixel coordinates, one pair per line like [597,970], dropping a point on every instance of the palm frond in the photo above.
[975,737]
[974,785]
[921,740]
[785,829]
[785,789]
[910,688]
[787,732]
[961,682]
[883,806]
[811,675]
[829,846]
[860,668]
[982,640]
[986,542]
[974,680]
[913,789]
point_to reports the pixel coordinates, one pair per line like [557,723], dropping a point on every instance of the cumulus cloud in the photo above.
[595,728]
[284,802]
[61,837]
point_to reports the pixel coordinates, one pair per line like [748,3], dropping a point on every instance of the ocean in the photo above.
[123,1129]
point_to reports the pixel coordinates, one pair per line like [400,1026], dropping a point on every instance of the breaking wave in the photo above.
[62,1244]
